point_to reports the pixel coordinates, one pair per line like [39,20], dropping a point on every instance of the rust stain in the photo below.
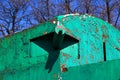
[54,75]
[92,56]
[66,55]
[79,62]
[78,56]
[63,19]
[45,33]
[67,30]
[93,47]
[86,60]
[96,29]
[104,36]
[63,68]
[103,27]
[76,30]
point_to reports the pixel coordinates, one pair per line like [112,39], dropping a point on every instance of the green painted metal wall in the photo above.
[30,55]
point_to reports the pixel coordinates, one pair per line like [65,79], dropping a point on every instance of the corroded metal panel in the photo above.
[84,52]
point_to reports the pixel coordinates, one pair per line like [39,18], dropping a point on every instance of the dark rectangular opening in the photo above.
[45,43]
[104,51]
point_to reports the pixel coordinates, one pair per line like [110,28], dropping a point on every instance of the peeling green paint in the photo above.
[30,55]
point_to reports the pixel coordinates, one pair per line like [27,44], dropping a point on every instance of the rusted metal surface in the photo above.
[84,52]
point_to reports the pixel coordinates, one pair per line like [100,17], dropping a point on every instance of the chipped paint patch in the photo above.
[63,68]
